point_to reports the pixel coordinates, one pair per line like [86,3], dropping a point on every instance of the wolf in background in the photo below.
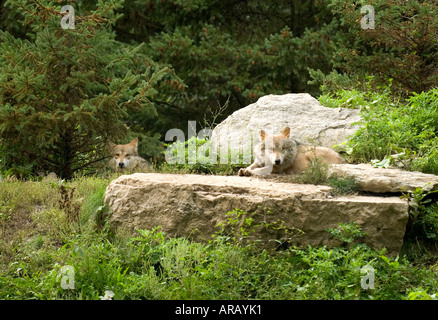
[280,154]
[125,157]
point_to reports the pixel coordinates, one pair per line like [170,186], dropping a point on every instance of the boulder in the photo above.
[310,122]
[385,180]
[193,205]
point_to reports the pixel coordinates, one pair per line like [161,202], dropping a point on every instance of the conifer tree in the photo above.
[399,47]
[65,92]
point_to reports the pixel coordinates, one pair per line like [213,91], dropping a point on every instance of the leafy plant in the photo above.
[258,228]
[316,173]
[423,213]
[396,132]
[195,156]
[343,185]
[420,294]
[347,232]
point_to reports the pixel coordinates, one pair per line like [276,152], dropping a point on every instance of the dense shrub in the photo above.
[152,267]
[407,127]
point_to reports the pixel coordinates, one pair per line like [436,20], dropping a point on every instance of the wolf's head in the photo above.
[121,154]
[277,149]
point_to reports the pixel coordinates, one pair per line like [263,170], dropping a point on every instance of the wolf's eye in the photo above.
[128,155]
[116,155]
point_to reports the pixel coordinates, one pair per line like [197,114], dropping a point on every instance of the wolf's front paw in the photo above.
[244,172]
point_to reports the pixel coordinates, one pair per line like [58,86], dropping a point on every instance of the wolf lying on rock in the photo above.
[280,154]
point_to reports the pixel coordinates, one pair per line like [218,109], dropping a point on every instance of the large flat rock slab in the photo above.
[386,180]
[193,205]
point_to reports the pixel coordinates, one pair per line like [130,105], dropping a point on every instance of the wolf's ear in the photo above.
[134,142]
[262,135]
[286,132]
[110,145]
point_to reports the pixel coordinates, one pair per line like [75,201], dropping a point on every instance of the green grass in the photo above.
[343,185]
[38,239]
